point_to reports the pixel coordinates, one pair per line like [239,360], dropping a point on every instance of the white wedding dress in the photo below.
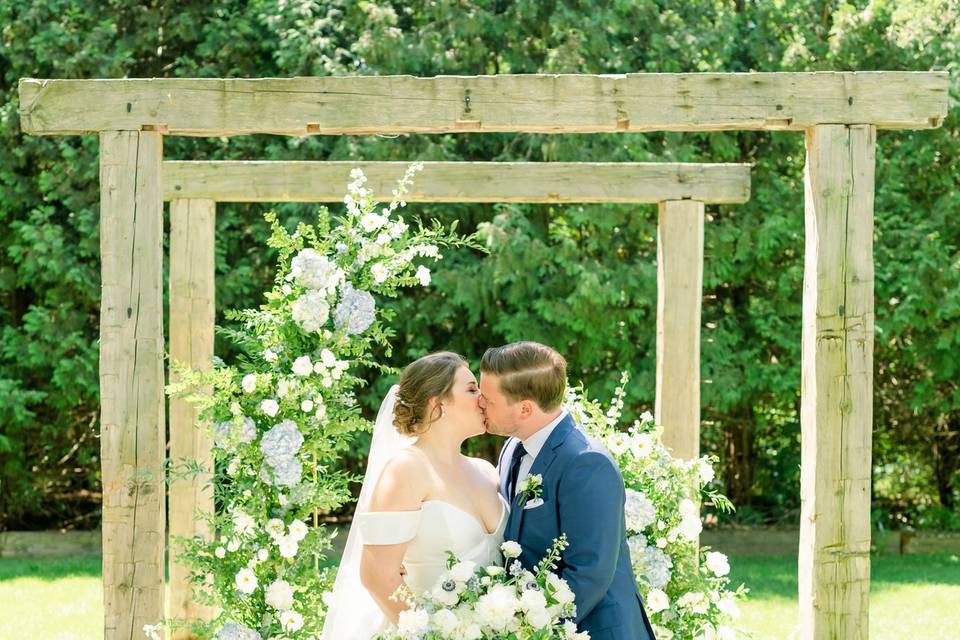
[430,531]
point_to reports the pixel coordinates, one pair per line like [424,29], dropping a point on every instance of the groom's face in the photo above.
[500,414]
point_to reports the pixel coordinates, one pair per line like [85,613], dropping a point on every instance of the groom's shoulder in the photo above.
[583,448]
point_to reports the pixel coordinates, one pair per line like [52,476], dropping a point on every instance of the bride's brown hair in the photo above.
[431,376]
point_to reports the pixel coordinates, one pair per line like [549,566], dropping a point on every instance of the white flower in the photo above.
[696,601]
[446,622]
[639,511]
[298,530]
[497,607]
[244,522]
[288,547]
[275,528]
[283,388]
[706,472]
[291,621]
[463,571]
[717,563]
[262,555]
[646,416]
[302,366]
[661,543]
[270,407]
[372,221]
[310,311]
[423,275]
[511,549]
[533,599]
[269,355]
[233,545]
[280,595]
[538,618]
[619,443]
[315,271]
[380,273]
[249,382]
[356,311]
[662,633]
[494,570]
[306,406]
[328,358]
[413,623]
[220,552]
[690,524]
[657,601]
[234,466]
[246,580]
[729,606]
[642,445]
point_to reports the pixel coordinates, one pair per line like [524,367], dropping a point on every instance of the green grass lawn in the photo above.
[911,597]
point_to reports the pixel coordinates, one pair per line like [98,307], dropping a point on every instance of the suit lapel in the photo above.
[540,466]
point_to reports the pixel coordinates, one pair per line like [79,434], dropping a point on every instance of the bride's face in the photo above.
[462,407]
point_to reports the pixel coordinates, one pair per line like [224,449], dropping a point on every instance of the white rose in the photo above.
[657,601]
[306,406]
[302,366]
[298,530]
[706,472]
[275,527]
[269,355]
[717,563]
[233,545]
[446,621]
[533,599]
[280,595]
[288,547]
[413,622]
[246,581]
[291,621]
[494,570]
[690,524]
[249,383]
[270,407]
[511,549]
[283,388]
[262,555]
[220,552]
[538,618]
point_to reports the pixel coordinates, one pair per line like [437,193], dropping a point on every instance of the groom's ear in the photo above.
[526,408]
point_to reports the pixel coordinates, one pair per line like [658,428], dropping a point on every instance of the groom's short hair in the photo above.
[528,371]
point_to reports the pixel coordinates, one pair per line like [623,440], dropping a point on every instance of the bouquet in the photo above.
[492,603]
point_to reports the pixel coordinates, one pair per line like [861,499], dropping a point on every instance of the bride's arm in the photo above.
[401,488]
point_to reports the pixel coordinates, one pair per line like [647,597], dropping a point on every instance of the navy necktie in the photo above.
[518,453]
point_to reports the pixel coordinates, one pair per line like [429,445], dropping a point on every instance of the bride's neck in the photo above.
[440,446]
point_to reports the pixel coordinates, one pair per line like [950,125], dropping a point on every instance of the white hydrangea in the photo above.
[315,271]
[236,631]
[639,510]
[310,311]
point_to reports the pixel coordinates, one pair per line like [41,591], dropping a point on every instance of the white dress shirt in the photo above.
[534,444]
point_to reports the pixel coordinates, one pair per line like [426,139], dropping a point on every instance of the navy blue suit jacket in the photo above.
[583,496]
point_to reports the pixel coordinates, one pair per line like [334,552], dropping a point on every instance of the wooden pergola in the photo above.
[839,114]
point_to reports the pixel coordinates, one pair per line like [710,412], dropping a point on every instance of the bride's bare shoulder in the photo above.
[403,483]
[486,468]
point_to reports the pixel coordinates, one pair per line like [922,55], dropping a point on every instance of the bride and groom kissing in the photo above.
[422,498]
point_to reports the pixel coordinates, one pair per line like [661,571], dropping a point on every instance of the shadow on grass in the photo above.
[777,576]
[51,568]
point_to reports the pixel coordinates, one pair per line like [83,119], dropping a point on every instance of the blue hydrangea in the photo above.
[237,631]
[283,440]
[283,471]
[225,433]
[355,311]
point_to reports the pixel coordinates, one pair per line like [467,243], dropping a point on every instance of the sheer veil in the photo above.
[352,614]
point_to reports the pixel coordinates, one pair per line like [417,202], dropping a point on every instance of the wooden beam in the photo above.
[679,294]
[836,406]
[565,103]
[191,342]
[132,429]
[238,181]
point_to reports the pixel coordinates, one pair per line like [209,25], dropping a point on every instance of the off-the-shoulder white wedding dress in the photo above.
[437,527]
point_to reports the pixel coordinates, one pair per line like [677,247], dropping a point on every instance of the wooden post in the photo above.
[679,294]
[131,381]
[191,342]
[837,387]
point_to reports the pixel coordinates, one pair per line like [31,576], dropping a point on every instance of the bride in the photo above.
[420,498]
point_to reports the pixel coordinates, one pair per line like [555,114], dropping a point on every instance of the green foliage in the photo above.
[580,277]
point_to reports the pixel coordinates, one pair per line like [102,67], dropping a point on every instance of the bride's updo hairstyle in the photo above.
[431,376]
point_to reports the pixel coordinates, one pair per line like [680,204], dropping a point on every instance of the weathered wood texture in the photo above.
[240,181]
[535,103]
[132,430]
[837,383]
[192,225]
[679,294]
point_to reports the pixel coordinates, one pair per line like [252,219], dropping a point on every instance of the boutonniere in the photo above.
[531,487]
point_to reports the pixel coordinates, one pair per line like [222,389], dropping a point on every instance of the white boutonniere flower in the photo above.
[531,487]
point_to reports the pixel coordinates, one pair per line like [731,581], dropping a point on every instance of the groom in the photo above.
[522,386]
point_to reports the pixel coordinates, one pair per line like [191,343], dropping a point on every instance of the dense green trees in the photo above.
[579,277]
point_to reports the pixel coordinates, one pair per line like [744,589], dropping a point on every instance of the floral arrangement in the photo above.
[280,417]
[492,603]
[685,587]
